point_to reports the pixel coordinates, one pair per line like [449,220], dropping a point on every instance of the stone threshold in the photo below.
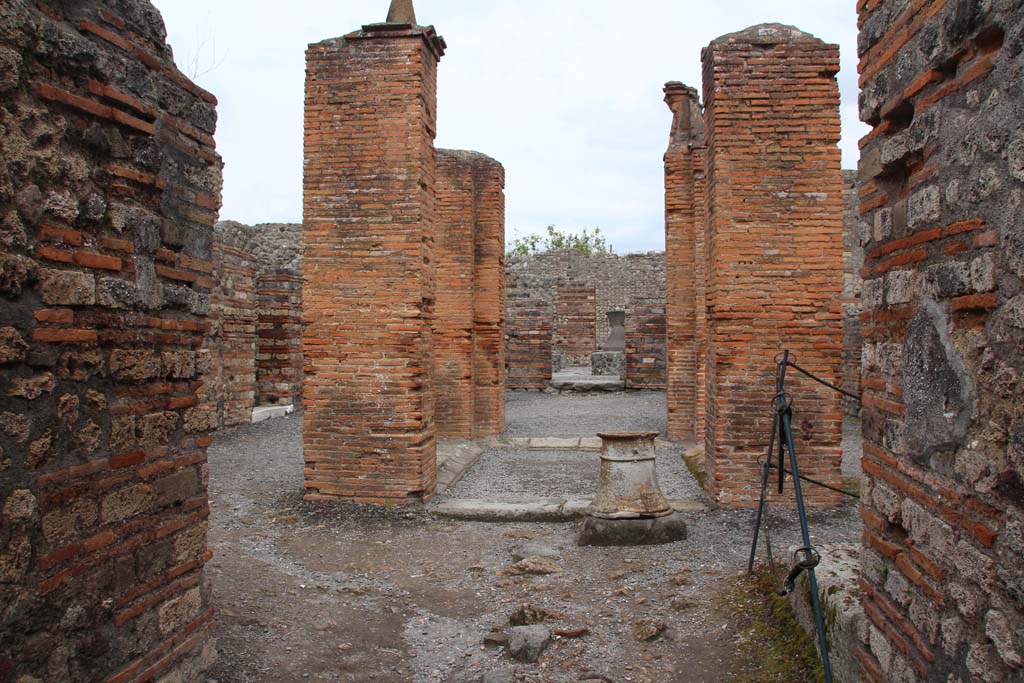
[571,443]
[264,413]
[535,510]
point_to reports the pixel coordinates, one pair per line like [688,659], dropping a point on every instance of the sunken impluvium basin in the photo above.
[629,507]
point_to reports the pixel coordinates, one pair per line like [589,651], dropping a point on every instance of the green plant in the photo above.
[585,242]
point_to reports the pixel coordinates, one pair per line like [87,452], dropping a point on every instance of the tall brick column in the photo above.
[368,267]
[942,192]
[489,297]
[685,263]
[453,325]
[469,331]
[775,259]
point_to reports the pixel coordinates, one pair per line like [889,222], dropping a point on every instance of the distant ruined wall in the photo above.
[575,321]
[853,262]
[255,340]
[942,193]
[109,190]
[277,249]
[580,290]
[617,280]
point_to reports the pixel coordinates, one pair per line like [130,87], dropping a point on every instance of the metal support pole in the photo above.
[787,429]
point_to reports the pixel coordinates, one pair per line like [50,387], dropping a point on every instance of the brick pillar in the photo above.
[109,189]
[529,336]
[489,297]
[234,309]
[279,350]
[645,345]
[469,348]
[453,326]
[368,267]
[942,195]
[575,321]
[684,223]
[775,251]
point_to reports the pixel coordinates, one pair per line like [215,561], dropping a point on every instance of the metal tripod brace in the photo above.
[805,558]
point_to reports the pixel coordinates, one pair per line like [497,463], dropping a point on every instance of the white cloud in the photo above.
[565,93]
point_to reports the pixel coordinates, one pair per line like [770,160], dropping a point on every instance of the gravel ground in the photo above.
[513,474]
[534,413]
[335,592]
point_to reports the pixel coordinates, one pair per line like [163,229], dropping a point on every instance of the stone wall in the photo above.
[853,262]
[109,189]
[368,267]
[469,352]
[942,190]
[277,250]
[774,226]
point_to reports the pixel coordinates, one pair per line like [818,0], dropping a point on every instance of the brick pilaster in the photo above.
[369,216]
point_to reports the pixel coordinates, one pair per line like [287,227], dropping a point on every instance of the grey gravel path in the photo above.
[514,474]
[540,414]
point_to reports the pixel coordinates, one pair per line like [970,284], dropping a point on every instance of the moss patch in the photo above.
[773,648]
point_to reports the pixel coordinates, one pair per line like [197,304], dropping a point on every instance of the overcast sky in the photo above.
[567,94]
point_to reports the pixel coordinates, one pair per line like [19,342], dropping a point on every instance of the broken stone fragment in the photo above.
[646,630]
[527,643]
[538,566]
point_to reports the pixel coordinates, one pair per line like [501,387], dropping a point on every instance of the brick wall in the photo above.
[774,250]
[469,353]
[853,262]
[942,191]
[231,343]
[685,265]
[645,346]
[529,320]
[277,250]
[575,321]
[368,265]
[108,194]
[259,283]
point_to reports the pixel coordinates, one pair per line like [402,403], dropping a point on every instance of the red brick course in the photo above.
[279,338]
